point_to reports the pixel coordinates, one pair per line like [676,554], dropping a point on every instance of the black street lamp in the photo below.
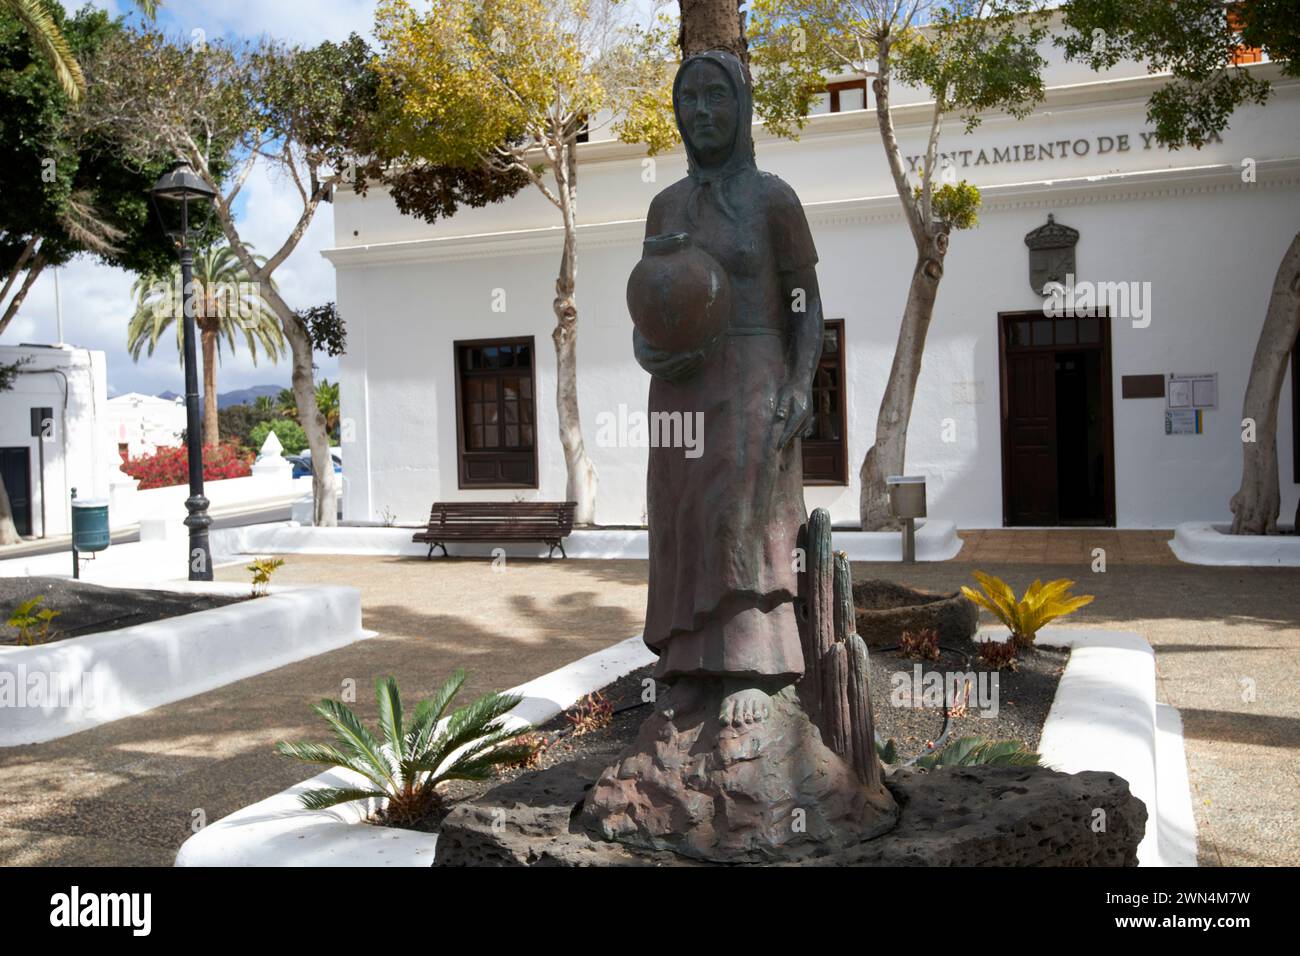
[181,185]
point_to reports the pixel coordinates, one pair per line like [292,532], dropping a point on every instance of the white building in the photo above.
[141,424]
[55,416]
[1018,419]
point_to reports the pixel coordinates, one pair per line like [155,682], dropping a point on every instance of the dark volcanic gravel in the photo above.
[1016,710]
[1023,699]
[89,608]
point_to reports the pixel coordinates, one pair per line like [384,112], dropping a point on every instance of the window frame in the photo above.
[834,89]
[457,348]
[842,479]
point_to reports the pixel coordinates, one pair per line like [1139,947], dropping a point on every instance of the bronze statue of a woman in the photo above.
[723,525]
[729,767]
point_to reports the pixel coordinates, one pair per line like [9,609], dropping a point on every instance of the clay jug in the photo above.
[678,295]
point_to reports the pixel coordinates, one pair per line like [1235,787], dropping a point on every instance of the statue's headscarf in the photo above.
[715,184]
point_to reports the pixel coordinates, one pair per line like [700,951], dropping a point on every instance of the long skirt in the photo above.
[724,525]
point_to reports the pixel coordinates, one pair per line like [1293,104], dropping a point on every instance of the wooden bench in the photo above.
[546,521]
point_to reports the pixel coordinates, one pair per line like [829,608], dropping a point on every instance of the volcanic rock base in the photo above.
[727,794]
[978,816]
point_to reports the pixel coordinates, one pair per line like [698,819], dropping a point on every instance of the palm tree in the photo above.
[286,404]
[327,400]
[35,17]
[226,305]
[264,407]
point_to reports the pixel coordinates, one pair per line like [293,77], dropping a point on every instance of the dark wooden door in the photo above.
[16,467]
[1030,439]
[1057,428]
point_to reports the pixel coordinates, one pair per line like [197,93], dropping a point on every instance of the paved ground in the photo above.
[1227,642]
[127,792]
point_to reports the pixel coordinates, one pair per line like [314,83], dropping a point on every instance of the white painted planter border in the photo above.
[1202,542]
[1105,717]
[278,831]
[1107,668]
[134,669]
[935,541]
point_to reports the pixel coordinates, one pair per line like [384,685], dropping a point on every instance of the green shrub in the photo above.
[290,433]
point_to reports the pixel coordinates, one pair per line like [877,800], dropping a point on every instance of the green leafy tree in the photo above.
[39,18]
[65,190]
[228,306]
[503,89]
[238,421]
[972,58]
[1196,41]
[292,438]
[306,113]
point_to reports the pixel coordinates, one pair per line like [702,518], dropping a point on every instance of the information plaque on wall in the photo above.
[1193,391]
[1183,421]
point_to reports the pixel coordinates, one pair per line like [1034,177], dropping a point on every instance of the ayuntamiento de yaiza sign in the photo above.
[1041,151]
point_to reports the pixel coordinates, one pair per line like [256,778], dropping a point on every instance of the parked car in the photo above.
[302,464]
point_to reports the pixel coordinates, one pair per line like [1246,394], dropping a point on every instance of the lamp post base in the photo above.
[200,552]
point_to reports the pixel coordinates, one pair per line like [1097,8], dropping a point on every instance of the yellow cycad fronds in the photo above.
[1058,608]
[1040,604]
[983,601]
[1000,594]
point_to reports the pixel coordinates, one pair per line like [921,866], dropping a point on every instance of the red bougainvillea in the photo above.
[169,466]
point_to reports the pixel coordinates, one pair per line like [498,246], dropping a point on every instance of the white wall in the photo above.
[74,383]
[1184,222]
[144,423]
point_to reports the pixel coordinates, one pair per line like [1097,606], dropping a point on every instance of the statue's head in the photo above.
[711,98]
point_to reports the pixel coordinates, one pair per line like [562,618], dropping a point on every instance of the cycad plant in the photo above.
[227,306]
[1041,604]
[414,758]
[980,751]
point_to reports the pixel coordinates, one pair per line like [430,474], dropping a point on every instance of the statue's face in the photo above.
[707,109]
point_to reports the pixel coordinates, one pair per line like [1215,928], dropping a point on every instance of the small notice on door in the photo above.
[1183,421]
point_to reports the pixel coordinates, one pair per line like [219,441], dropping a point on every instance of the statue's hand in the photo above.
[661,363]
[793,406]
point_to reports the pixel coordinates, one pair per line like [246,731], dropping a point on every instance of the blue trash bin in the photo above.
[90,524]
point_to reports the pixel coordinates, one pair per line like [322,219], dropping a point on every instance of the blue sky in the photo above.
[97,300]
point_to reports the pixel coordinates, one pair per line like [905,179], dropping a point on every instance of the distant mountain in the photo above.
[245,396]
[240,396]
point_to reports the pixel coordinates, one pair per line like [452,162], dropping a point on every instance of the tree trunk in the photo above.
[581,473]
[713,25]
[211,437]
[8,530]
[888,454]
[1257,502]
[16,302]
[325,509]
